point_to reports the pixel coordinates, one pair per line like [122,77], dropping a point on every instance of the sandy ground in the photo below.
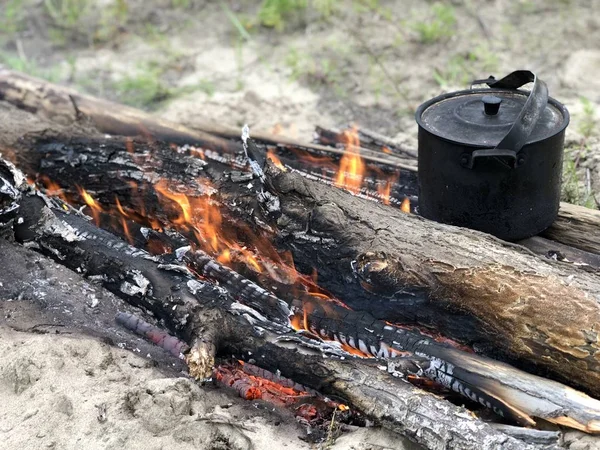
[73,392]
[370,67]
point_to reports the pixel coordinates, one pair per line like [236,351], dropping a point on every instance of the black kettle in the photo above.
[490,159]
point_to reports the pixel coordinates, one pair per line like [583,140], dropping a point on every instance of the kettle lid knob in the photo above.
[491,104]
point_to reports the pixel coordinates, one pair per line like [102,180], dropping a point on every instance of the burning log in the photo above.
[468,286]
[202,313]
[388,340]
[575,226]
[368,271]
[65,106]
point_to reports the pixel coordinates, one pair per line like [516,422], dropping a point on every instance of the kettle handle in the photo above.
[519,133]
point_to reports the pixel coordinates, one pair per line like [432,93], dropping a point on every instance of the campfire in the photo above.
[302,274]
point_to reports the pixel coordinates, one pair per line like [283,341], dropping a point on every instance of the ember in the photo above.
[253,383]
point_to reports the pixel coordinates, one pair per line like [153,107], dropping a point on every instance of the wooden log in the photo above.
[465,284]
[500,286]
[202,314]
[574,344]
[561,252]
[474,369]
[67,106]
[577,227]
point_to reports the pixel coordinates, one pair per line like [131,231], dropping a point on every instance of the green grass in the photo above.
[148,88]
[82,20]
[277,13]
[461,69]
[575,187]
[575,184]
[274,13]
[29,67]
[587,121]
[11,20]
[439,24]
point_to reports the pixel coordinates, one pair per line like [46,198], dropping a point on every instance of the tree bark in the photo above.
[577,227]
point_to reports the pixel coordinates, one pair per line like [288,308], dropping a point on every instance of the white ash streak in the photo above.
[256,169]
[194,286]
[140,286]
[181,252]
[176,268]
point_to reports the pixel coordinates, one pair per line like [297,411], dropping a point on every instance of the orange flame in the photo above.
[352,167]
[52,189]
[275,159]
[94,206]
[405,206]
[124,224]
[181,200]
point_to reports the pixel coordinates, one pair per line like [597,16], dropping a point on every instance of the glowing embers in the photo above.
[405,206]
[253,383]
[352,167]
[197,214]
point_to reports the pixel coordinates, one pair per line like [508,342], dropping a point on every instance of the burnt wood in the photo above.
[467,285]
[202,314]
[67,107]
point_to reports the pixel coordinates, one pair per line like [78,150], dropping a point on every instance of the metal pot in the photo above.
[491,159]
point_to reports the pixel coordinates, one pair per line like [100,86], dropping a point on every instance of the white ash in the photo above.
[181,251]
[142,285]
[94,301]
[194,286]
[256,169]
[269,201]
[145,232]
[176,268]
[54,226]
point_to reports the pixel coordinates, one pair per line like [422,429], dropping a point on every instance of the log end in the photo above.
[201,360]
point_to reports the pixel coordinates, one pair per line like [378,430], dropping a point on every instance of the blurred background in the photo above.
[284,66]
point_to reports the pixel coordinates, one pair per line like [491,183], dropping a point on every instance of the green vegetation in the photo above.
[273,13]
[439,24]
[587,121]
[148,88]
[576,184]
[315,70]
[67,13]
[11,20]
[461,69]
[29,67]
[82,20]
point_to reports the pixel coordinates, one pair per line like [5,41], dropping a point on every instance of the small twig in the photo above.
[330,439]
[221,420]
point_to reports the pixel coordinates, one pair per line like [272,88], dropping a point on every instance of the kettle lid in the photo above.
[483,117]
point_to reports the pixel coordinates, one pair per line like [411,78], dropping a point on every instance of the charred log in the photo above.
[498,285]
[64,106]
[195,310]
[469,286]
